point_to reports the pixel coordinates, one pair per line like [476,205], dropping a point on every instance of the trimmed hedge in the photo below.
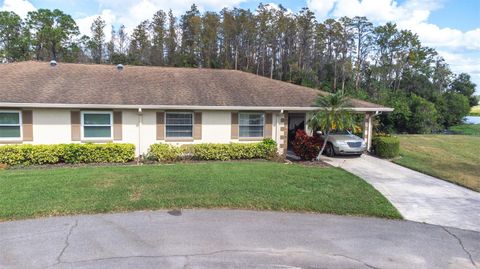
[221,152]
[66,153]
[165,153]
[386,146]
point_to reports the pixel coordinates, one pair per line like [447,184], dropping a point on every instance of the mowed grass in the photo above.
[475,111]
[467,129]
[246,185]
[455,158]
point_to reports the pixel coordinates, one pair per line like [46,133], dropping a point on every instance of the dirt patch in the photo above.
[104,184]
[133,163]
[312,163]
[136,195]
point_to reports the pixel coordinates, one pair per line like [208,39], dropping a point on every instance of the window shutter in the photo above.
[268,125]
[117,125]
[27,125]
[197,127]
[75,124]
[234,125]
[160,125]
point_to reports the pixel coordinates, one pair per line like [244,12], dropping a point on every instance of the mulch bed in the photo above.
[132,163]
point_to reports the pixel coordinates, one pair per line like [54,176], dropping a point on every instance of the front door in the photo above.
[296,121]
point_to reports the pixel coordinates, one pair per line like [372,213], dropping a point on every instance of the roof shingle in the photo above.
[37,82]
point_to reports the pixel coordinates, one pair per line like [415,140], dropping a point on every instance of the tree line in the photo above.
[382,63]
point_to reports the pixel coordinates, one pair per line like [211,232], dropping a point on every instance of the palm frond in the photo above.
[333,114]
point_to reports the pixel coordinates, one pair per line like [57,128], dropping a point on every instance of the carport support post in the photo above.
[367,130]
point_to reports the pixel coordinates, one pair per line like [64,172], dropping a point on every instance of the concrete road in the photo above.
[233,239]
[417,196]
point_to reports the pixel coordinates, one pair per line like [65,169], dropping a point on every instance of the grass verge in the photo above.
[467,129]
[454,158]
[246,185]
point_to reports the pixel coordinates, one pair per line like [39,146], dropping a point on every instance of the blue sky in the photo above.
[450,26]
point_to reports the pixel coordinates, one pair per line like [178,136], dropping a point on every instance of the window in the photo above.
[10,125]
[97,125]
[179,124]
[251,124]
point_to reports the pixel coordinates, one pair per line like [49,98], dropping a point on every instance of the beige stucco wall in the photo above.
[53,126]
[216,126]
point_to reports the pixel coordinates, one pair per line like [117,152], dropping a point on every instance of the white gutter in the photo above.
[185,107]
[140,121]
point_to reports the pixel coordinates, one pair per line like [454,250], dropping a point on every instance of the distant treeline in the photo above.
[381,63]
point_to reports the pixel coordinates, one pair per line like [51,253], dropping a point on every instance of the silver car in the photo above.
[344,143]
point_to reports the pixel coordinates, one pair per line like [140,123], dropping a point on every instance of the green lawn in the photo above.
[467,129]
[455,158]
[248,185]
[475,111]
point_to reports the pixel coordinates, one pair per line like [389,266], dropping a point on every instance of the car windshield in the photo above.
[338,132]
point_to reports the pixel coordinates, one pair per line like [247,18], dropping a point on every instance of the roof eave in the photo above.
[186,107]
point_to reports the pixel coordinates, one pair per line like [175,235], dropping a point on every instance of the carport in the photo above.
[294,120]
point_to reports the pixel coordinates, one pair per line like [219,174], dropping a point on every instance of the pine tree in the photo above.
[171,39]
[190,48]
[98,39]
[158,37]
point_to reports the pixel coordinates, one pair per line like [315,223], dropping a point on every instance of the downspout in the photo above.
[370,129]
[140,120]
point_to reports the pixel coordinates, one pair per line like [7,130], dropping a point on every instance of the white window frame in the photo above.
[82,131]
[179,137]
[20,123]
[250,137]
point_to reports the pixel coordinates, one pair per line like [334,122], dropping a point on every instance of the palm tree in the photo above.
[332,115]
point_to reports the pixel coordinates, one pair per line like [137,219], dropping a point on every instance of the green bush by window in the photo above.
[386,146]
[165,153]
[66,153]
[99,153]
[222,152]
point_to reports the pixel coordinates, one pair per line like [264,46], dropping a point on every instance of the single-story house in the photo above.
[50,103]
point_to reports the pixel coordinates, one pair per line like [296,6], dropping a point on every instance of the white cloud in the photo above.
[131,12]
[464,63]
[321,7]
[21,7]
[412,14]
[85,23]
[461,49]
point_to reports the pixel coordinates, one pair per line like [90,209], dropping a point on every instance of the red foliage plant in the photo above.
[306,147]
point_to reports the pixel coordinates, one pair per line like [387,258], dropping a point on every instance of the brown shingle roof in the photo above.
[37,82]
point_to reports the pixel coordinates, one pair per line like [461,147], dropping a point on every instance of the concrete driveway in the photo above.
[233,239]
[417,196]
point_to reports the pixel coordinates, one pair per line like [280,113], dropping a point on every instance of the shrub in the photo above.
[452,108]
[222,152]
[269,148]
[12,155]
[306,147]
[235,151]
[99,153]
[67,153]
[424,116]
[165,153]
[386,146]
[42,154]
